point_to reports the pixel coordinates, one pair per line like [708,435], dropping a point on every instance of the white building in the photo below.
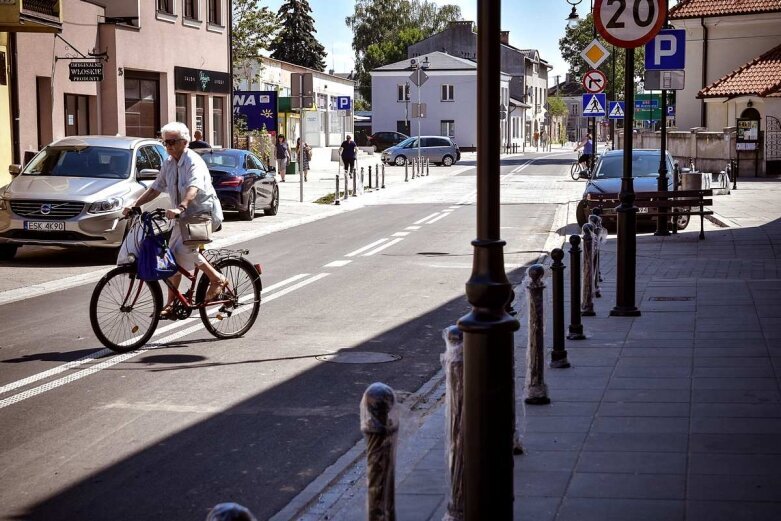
[324,125]
[449,95]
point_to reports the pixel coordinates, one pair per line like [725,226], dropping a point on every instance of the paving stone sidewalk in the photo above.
[673,415]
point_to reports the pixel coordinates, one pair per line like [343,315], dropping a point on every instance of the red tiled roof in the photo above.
[759,77]
[702,8]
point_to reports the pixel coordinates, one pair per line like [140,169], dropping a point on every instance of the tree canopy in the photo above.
[296,42]
[253,26]
[383,29]
[576,39]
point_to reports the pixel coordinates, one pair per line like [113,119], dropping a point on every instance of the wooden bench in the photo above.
[678,202]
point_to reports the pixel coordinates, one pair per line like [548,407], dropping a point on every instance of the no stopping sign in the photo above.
[629,23]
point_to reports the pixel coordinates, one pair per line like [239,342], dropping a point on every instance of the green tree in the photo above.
[557,107]
[576,39]
[253,26]
[383,29]
[296,42]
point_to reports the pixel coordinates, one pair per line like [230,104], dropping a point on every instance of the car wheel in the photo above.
[400,160]
[581,213]
[249,213]
[447,161]
[682,221]
[7,251]
[274,207]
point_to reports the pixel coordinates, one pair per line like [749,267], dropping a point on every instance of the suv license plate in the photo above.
[643,210]
[45,226]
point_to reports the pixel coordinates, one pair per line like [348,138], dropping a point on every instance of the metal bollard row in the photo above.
[370,177]
[380,426]
[600,237]
[336,194]
[383,175]
[587,304]
[558,358]
[575,325]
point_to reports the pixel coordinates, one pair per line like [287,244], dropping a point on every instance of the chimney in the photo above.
[504,37]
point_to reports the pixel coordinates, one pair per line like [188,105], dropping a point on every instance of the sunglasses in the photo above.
[171,142]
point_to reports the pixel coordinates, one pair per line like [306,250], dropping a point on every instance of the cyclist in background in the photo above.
[588,151]
[185,178]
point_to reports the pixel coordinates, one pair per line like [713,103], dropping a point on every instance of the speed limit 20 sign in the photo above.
[629,23]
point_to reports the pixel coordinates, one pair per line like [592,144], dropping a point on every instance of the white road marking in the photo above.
[400,234]
[295,287]
[426,218]
[284,282]
[337,264]
[413,228]
[432,221]
[454,207]
[367,247]
[386,245]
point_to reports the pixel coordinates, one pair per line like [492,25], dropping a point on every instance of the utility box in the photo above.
[292,168]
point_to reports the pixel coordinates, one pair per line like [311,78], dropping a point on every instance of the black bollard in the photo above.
[558,358]
[383,175]
[380,426]
[337,195]
[370,177]
[587,298]
[575,326]
[599,239]
[536,390]
[377,174]
[406,171]
[230,512]
[453,365]
[428,167]
[355,184]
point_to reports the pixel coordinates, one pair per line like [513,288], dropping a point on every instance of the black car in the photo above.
[242,182]
[382,140]
[607,179]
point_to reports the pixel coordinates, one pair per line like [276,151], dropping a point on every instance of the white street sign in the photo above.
[629,23]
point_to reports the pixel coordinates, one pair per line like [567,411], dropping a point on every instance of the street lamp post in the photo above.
[591,123]
[488,329]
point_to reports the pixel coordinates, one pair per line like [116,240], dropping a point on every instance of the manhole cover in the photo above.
[671,299]
[359,357]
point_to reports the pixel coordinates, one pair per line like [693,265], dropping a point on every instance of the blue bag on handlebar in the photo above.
[155,259]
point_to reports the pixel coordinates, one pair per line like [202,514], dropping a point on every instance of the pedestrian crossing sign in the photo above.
[616,110]
[594,105]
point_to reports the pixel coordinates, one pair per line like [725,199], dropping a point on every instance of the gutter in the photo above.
[16,157]
[703,108]
[230,70]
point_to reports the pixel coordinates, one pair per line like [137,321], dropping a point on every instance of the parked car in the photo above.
[242,181]
[606,178]
[382,140]
[72,192]
[440,150]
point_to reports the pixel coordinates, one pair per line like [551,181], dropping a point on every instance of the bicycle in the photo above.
[124,310]
[577,170]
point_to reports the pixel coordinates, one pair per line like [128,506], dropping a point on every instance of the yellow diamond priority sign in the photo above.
[595,53]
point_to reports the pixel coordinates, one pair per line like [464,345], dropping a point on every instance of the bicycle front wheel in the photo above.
[235,311]
[574,171]
[124,310]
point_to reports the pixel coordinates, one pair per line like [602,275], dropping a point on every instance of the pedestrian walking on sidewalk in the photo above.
[348,150]
[282,155]
[304,155]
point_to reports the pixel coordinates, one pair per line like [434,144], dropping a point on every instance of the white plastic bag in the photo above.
[128,252]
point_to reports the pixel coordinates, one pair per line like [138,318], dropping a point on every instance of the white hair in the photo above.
[175,127]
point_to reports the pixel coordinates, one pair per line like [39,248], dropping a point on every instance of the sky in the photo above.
[533,24]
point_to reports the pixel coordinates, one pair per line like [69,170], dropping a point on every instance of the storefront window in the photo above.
[217,122]
[181,108]
[200,113]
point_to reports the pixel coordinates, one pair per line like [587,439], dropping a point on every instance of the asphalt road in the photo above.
[169,431]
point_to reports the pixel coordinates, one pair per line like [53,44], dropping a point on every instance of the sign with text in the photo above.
[257,108]
[748,130]
[85,71]
[667,51]
[629,23]
[200,80]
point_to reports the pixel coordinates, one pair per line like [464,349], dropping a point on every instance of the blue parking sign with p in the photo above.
[667,51]
[343,103]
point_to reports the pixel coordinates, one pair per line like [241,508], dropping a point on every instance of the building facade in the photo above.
[161,60]
[448,94]
[324,124]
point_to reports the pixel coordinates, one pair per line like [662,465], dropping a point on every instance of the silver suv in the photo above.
[73,191]
[440,150]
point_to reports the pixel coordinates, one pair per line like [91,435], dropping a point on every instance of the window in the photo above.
[76,115]
[200,113]
[447,127]
[402,92]
[191,9]
[142,160]
[181,108]
[447,92]
[218,105]
[215,14]
[165,6]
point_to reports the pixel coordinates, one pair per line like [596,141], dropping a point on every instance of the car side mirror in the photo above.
[148,174]
[14,170]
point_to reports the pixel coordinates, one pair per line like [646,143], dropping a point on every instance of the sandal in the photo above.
[167,313]
[216,288]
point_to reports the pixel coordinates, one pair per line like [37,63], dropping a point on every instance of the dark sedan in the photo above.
[242,182]
[382,140]
[607,179]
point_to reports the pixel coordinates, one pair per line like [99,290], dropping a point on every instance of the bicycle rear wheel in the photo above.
[236,310]
[124,310]
[574,171]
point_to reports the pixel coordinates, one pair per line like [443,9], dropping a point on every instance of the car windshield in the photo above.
[643,165]
[223,159]
[100,162]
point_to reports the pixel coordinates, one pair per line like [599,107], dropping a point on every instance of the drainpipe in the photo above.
[230,69]
[16,157]
[703,110]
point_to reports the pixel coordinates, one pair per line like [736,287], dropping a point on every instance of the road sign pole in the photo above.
[661,221]
[627,212]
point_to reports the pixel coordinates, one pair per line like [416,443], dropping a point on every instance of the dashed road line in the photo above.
[367,247]
[432,221]
[337,264]
[426,218]
[386,245]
